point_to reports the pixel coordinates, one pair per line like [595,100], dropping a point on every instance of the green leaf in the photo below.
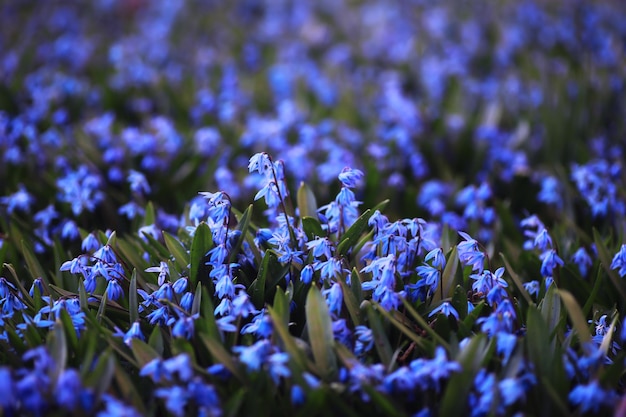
[381,341]
[154,247]
[449,272]
[102,307]
[312,227]
[32,263]
[150,216]
[320,332]
[517,280]
[70,330]
[181,257]
[288,340]
[133,304]
[221,355]
[128,390]
[281,306]
[550,308]
[197,300]
[57,346]
[605,260]
[398,324]
[459,301]
[143,352]
[576,316]
[155,341]
[459,386]
[594,292]
[102,374]
[306,201]
[206,323]
[201,244]
[352,235]
[608,337]
[350,301]
[355,285]
[424,325]
[82,296]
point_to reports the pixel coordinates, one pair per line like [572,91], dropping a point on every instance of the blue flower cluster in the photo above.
[467,255]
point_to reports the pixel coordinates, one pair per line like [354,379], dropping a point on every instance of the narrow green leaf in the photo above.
[576,315]
[424,325]
[181,257]
[18,283]
[474,315]
[517,281]
[142,352]
[221,355]
[288,340]
[550,308]
[382,402]
[449,272]
[155,341]
[281,306]
[197,300]
[112,239]
[32,263]
[150,216]
[355,285]
[460,384]
[605,261]
[350,301]
[257,288]
[70,330]
[133,304]
[459,301]
[15,341]
[155,248]
[594,292]
[128,390]
[306,201]
[57,346]
[352,235]
[82,296]
[103,373]
[201,244]
[102,307]
[419,341]
[381,342]
[608,337]
[206,323]
[320,332]
[312,227]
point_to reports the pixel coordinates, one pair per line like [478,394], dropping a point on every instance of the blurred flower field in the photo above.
[273,207]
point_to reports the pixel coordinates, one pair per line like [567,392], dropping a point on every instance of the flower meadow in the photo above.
[400,208]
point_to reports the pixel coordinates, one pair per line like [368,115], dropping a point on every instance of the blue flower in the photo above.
[582,259]
[543,241]
[114,290]
[20,200]
[350,177]
[591,397]
[619,261]
[253,356]
[176,398]
[138,182]
[260,163]
[550,261]
[446,309]
[439,260]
